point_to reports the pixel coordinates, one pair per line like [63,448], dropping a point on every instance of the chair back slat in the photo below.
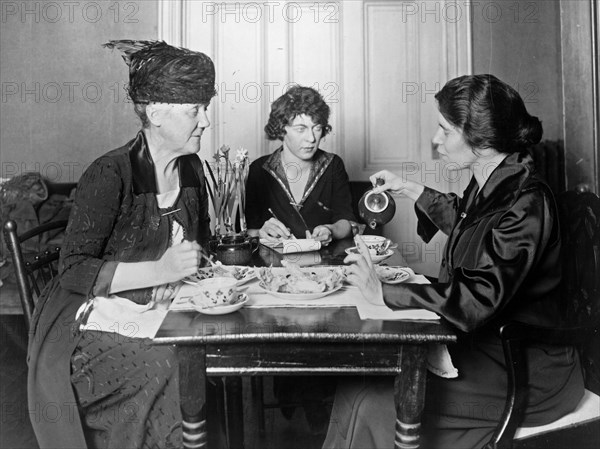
[33,272]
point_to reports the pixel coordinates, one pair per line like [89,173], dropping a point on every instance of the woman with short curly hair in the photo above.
[299,189]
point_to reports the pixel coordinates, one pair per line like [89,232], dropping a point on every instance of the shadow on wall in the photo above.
[549,159]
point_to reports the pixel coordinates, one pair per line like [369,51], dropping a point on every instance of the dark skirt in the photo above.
[459,413]
[127,392]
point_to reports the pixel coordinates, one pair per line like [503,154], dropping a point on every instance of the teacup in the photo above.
[375,243]
[216,291]
[372,251]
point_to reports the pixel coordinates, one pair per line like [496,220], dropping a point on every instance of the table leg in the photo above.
[192,391]
[235,412]
[409,396]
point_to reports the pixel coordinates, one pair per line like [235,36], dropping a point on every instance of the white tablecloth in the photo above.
[438,362]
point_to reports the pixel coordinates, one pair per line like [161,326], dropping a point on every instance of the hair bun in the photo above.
[529,131]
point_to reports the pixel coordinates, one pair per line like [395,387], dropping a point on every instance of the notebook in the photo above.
[290,246]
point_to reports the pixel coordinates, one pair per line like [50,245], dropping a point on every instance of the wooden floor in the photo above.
[16,431]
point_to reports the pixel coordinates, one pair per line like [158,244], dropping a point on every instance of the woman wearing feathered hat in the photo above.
[139,220]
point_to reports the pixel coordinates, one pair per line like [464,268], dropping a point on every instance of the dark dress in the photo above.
[501,262]
[97,386]
[326,198]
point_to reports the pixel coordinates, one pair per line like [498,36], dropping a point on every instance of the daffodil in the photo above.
[226,185]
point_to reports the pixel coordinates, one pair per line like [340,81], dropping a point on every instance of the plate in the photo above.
[241,273]
[393,275]
[375,258]
[222,310]
[300,296]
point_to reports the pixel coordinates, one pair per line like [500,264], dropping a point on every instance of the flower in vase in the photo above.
[227,190]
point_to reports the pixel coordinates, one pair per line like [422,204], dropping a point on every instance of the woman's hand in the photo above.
[397,185]
[273,229]
[323,234]
[362,274]
[178,261]
[162,295]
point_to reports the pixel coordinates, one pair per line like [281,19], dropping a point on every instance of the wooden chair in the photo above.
[580,229]
[33,271]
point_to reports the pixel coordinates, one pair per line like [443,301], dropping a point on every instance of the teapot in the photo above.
[234,249]
[376,208]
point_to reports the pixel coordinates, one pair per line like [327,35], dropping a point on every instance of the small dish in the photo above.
[241,273]
[300,296]
[376,258]
[393,275]
[241,300]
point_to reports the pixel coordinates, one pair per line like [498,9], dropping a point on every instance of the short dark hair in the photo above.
[140,111]
[490,113]
[296,101]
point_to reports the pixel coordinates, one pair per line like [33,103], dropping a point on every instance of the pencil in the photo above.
[292,236]
[274,216]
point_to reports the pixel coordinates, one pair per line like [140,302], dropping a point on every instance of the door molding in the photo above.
[579,37]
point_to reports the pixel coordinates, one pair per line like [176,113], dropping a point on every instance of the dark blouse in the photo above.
[326,198]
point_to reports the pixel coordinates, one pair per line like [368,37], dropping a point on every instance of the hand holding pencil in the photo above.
[274,229]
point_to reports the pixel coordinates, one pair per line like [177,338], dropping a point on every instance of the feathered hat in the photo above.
[161,73]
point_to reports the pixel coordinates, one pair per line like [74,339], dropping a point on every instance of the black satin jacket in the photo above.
[501,260]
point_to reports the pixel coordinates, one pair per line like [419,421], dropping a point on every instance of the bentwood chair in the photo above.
[33,270]
[580,231]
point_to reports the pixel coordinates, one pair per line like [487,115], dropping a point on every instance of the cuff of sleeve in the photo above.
[104,279]
[426,229]
[426,199]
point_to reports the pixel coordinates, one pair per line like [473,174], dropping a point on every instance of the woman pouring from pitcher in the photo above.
[500,263]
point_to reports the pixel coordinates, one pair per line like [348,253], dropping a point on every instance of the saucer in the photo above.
[224,309]
[393,275]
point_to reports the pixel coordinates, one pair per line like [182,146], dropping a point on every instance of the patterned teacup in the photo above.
[216,291]
[376,244]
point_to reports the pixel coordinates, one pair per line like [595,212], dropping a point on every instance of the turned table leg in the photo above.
[192,391]
[409,396]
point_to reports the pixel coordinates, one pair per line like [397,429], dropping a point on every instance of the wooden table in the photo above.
[288,341]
